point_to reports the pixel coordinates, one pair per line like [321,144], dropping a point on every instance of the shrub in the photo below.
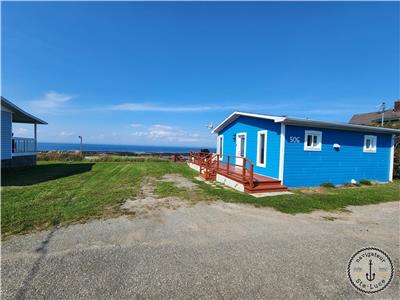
[327,185]
[365,182]
[60,156]
[115,158]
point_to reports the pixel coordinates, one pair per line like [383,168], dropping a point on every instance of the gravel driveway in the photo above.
[212,251]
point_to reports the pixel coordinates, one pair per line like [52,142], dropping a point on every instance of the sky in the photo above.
[157,73]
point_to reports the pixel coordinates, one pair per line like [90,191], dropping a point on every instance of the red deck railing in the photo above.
[210,164]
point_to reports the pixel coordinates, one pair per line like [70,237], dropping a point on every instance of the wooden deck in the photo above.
[210,166]
[261,183]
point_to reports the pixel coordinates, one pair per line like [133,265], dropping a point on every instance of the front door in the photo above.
[240,148]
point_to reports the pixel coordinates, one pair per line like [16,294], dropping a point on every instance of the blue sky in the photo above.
[157,73]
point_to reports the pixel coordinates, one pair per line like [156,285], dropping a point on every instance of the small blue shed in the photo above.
[305,153]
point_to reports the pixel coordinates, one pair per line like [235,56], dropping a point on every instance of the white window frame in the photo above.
[220,139]
[374,140]
[313,133]
[239,160]
[259,133]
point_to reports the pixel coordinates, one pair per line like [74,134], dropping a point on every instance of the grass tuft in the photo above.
[327,185]
[365,182]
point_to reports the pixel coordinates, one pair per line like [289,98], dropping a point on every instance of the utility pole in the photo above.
[383,107]
[80,137]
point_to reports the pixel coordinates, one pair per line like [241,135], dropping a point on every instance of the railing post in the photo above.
[217,162]
[244,169]
[227,164]
[251,176]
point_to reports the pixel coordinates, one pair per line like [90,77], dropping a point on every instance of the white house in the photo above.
[17,151]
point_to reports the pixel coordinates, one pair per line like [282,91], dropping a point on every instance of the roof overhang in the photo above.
[19,115]
[304,122]
[235,115]
[341,126]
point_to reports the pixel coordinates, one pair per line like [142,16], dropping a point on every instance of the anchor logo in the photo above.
[370,276]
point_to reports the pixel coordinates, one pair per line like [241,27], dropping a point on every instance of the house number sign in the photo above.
[294,139]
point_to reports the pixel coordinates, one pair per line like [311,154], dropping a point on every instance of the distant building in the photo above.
[17,151]
[374,118]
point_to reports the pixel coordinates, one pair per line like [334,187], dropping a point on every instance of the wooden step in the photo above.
[266,189]
[267,184]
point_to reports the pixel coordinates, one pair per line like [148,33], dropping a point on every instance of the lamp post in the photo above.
[80,137]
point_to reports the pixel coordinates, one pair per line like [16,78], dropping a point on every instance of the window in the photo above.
[262,148]
[313,140]
[370,143]
[220,146]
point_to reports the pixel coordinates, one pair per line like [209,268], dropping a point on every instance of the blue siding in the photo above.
[311,168]
[6,128]
[251,126]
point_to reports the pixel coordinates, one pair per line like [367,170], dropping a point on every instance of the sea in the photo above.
[104,148]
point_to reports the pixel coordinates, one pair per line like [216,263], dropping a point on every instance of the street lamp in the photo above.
[80,137]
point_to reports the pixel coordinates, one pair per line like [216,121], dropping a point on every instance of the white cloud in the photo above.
[172,134]
[166,133]
[66,134]
[139,133]
[155,107]
[51,101]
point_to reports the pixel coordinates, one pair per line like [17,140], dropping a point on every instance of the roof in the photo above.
[374,117]
[304,122]
[19,115]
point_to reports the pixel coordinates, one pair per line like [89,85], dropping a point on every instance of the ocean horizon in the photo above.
[103,148]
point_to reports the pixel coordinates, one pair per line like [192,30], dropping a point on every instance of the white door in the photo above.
[240,148]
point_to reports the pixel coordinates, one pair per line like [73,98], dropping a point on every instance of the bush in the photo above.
[60,156]
[365,182]
[327,185]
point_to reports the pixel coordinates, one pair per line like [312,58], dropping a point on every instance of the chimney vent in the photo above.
[397,105]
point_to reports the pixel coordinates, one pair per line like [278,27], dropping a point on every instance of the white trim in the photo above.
[304,122]
[194,166]
[259,133]
[219,138]
[374,141]
[229,182]
[233,116]
[282,152]
[236,146]
[391,159]
[313,133]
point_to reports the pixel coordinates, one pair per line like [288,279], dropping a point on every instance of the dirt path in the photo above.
[148,203]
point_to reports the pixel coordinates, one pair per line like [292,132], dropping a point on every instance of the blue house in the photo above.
[299,152]
[17,151]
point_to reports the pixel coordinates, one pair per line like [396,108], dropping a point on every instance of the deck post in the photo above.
[251,176]
[244,169]
[35,135]
[227,164]
[217,162]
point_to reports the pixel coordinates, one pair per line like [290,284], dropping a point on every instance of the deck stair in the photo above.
[210,165]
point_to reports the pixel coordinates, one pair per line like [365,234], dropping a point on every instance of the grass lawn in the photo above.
[54,193]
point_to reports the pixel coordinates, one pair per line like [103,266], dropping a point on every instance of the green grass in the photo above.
[54,193]
[304,202]
[58,192]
